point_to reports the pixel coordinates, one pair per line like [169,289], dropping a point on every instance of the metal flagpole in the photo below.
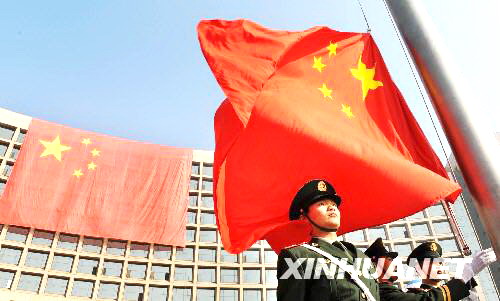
[473,143]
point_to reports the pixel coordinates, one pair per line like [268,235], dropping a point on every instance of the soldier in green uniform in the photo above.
[453,290]
[318,203]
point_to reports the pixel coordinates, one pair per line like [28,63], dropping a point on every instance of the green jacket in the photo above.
[453,290]
[322,289]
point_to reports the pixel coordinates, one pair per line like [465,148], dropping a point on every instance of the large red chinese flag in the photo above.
[80,182]
[312,104]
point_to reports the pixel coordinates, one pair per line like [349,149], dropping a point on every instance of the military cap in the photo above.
[310,193]
[428,249]
[377,250]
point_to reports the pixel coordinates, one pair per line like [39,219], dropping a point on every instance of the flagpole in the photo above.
[473,143]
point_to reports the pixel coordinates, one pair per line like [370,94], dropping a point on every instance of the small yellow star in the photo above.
[332,49]
[54,148]
[78,173]
[366,77]
[91,166]
[95,152]
[326,92]
[86,141]
[347,110]
[318,65]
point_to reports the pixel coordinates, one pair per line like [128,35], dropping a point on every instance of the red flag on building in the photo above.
[312,104]
[75,181]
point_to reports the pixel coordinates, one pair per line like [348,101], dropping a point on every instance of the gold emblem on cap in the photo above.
[321,186]
[433,247]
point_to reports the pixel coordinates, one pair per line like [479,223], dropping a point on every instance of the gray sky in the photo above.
[134,69]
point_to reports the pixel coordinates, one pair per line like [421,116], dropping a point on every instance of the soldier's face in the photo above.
[325,213]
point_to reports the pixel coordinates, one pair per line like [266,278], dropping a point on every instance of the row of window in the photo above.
[205,169]
[7,133]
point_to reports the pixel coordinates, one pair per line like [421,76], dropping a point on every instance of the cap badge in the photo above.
[433,247]
[321,186]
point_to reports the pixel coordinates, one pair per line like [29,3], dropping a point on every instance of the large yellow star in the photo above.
[54,148]
[326,92]
[366,77]
[91,166]
[318,65]
[95,152]
[332,49]
[86,141]
[78,173]
[347,110]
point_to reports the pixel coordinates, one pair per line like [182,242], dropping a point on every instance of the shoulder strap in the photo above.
[349,269]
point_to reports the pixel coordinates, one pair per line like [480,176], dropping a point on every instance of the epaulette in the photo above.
[293,246]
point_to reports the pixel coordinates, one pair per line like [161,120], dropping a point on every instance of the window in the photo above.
[108,291]
[195,168]
[403,249]
[18,234]
[228,257]
[442,227]
[252,294]
[207,185]
[136,270]
[184,254]
[190,235]
[183,273]
[193,184]
[36,259]
[355,236]
[42,238]
[420,230]
[62,263]
[160,272]
[191,217]
[87,266]
[29,282]
[448,245]
[271,277]
[251,256]
[271,295]
[206,275]
[14,153]
[158,293]
[10,255]
[67,241]
[375,233]
[205,294]
[92,245]
[6,278]
[133,292]
[56,286]
[193,199]
[417,215]
[229,275]
[206,254]
[6,132]
[162,252]
[398,232]
[207,201]
[208,170]
[229,294]
[8,169]
[182,294]
[20,137]
[116,247]
[82,288]
[139,250]
[208,235]
[3,149]
[270,256]
[251,276]
[207,218]
[436,210]
[112,268]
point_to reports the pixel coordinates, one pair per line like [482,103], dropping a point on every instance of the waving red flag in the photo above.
[312,104]
[75,181]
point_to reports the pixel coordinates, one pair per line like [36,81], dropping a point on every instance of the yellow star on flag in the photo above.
[326,92]
[86,141]
[54,148]
[91,166]
[332,49]
[95,152]
[347,110]
[366,77]
[78,173]
[318,65]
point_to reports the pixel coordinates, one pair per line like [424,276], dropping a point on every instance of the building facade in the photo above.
[43,265]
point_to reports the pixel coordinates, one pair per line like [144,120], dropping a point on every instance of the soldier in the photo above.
[317,202]
[453,290]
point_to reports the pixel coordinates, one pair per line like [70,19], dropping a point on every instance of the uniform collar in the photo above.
[330,241]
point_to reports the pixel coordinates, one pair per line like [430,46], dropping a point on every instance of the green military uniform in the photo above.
[325,288]
[322,288]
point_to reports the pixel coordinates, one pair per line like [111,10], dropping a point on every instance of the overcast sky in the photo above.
[134,69]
